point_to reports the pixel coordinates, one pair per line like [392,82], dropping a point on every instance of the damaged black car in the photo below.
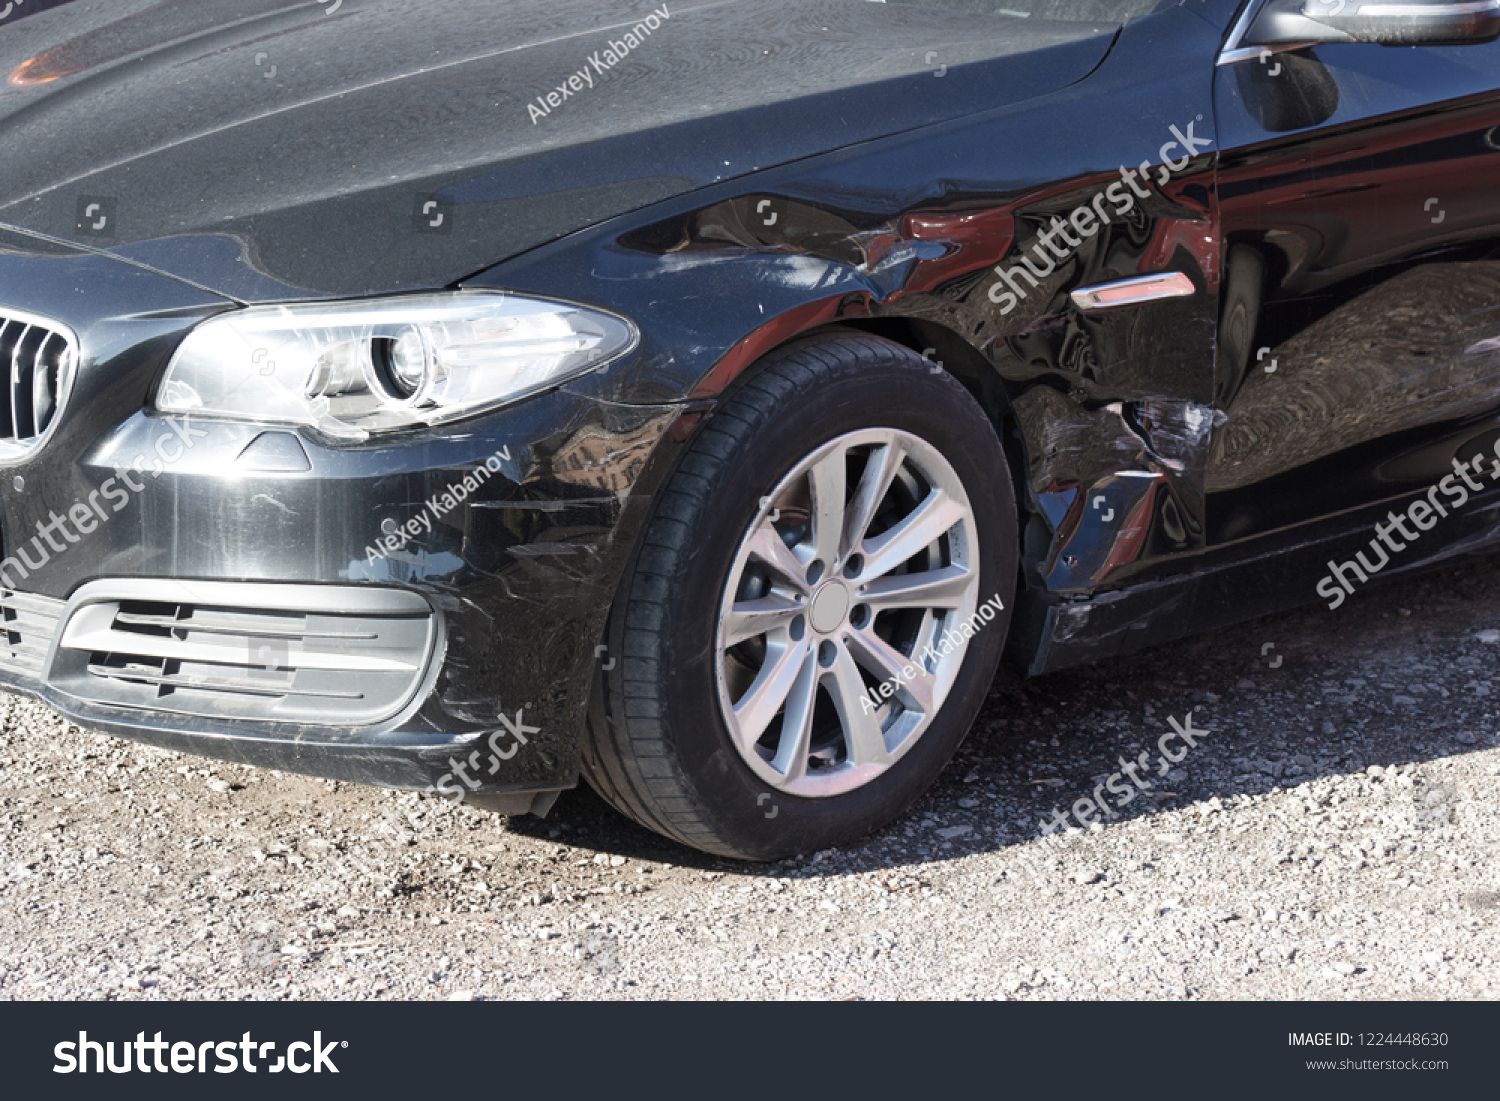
[703,400]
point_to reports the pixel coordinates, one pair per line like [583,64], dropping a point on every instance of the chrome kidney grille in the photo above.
[38,357]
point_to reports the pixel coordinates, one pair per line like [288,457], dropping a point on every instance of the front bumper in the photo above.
[347,660]
[373,613]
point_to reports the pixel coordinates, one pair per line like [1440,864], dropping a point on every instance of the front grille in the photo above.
[336,657]
[27,624]
[39,358]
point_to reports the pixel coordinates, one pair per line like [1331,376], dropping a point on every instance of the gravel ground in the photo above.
[1330,838]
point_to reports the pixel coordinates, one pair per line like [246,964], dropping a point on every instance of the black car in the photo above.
[702,398]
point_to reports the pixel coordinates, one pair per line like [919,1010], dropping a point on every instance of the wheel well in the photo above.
[952,353]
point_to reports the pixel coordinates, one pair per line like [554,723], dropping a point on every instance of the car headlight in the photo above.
[355,368]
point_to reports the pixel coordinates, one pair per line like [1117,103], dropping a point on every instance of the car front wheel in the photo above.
[817,608]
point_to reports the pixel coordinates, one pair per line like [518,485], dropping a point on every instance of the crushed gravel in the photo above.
[1332,836]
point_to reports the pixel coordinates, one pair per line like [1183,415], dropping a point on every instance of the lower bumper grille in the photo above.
[27,626]
[334,656]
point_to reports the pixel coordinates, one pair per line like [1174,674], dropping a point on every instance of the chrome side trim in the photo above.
[1234,51]
[1134,291]
[1240,28]
[1250,53]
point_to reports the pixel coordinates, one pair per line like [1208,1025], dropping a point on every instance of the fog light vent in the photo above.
[27,624]
[350,659]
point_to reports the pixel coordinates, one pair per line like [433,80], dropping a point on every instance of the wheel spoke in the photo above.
[827,480]
[752,618]
[863,738]
[874,484]
[940,588]
[932,518]
[768,549]
[755,710]
[797,722]
[886,663]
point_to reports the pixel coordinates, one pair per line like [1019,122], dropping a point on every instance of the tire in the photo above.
[662,745]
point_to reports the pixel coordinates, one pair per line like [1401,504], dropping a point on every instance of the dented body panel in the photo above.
[1108,413]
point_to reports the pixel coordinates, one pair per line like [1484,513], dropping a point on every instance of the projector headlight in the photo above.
[351,369]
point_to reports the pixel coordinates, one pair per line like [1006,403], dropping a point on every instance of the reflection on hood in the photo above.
[286,148]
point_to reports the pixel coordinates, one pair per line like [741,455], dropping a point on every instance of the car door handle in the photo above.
[1133,291]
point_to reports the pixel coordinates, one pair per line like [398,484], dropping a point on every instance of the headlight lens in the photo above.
[351,369]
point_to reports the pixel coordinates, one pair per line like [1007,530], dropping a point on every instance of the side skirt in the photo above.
[1275,573]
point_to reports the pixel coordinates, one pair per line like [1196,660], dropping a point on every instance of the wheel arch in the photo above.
[948,350]
[951,353]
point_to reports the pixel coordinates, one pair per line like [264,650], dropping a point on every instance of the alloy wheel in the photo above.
[838,636]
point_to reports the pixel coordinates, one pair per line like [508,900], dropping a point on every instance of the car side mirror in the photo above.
[1385,22]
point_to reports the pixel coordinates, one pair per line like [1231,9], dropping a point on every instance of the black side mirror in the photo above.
[1385,22]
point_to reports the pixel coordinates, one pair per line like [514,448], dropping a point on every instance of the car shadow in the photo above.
[1398,675]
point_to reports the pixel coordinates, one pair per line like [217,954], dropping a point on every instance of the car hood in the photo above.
[272,149]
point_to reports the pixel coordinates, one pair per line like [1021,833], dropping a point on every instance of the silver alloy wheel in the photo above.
[838,630]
